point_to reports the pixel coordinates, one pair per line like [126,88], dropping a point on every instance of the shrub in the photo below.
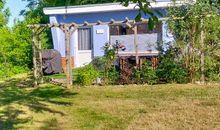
[105,66]
[170,68]
[212,67]
[112,76]
[8,70]
[145,75]
[86,75]
[172,73]
[108,73]
[98,63]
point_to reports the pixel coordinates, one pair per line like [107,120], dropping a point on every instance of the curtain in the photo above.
[84,39]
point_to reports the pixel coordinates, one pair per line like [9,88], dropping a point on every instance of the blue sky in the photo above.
[15,7]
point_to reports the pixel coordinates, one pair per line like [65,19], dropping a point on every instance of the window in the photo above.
[84,39]
[141,27]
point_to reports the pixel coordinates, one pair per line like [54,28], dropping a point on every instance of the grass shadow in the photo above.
[9,118]
[50,124]
[19,91]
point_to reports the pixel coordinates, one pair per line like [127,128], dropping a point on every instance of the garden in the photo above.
[179,91]
[52,107]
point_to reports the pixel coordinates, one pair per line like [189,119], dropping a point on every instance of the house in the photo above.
[87,42]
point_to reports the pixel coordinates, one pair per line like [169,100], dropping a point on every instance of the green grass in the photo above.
[62,75]
[159,107]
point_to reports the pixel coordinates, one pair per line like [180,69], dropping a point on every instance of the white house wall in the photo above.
[84,58]
[59,38]
[100,33]
[100,38]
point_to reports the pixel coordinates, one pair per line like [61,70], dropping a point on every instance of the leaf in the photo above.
[159,13]
[155,19]
[138,17]
[146,6]
[151,24]
[125,3]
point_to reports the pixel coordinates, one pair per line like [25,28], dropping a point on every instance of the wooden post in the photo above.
[136,45]
[69,80]
[68,31]
[41,75]
[37,54]
[202,54]
[70,60]
[34,58]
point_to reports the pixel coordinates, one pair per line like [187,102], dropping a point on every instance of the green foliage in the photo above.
[146,74]
[98,63]
[76,2]
[109,56]
[144,8]
[212,66]
[8,70]
[110,74]
[107,71]
[105,66]
[4,14]
[86,75]
[16,46]
[212,48]
[170,67]
[199,18]
[14,54]
[6,46]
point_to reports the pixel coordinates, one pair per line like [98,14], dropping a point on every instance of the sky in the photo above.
[15,7]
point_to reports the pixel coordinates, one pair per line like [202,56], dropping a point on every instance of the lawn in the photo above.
[134,107]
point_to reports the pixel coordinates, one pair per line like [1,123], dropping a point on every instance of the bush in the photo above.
[145,75]
[112,76]
[86,75]
[172,73]
[171,70]
[98,63]
[105,66]
[109,74]
[10,70]
[212,69]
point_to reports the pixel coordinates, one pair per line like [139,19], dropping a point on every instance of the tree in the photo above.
[4,14]
[196,38]
[15,43]
[4,38]
[8,48]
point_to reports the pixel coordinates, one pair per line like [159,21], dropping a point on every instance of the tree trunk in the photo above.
[68,57]
[34,59]
[136,45]
[40,61]
[202,55]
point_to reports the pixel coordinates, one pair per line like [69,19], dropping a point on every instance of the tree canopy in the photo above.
[4,14]
[197,34]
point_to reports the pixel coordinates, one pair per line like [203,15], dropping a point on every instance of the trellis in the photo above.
[68,30]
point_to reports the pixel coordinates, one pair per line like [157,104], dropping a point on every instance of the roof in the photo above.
[92,8]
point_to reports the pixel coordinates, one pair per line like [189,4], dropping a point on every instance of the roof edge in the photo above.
[106,7]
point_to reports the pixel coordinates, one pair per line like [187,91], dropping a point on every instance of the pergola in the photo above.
[68,30]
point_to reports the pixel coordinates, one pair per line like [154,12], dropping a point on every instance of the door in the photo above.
[84,46]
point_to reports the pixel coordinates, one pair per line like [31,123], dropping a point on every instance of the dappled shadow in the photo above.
[9,118]
[40,107]
[50,124]
[19,91]
[21,83]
